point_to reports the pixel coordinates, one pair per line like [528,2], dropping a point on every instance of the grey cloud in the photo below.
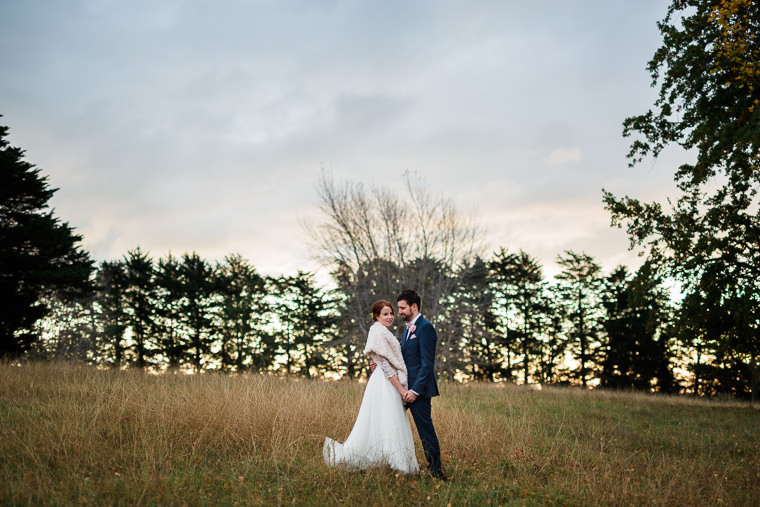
[186,123]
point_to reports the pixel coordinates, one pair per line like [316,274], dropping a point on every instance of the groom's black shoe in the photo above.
[438,474]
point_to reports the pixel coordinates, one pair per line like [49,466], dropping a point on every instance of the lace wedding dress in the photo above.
[381,434]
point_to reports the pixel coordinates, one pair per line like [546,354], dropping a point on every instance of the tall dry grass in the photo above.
[78,435]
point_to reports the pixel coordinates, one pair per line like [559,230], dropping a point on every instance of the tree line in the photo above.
[192,314]
[503,321]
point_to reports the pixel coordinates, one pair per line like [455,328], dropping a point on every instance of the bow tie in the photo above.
[409,325]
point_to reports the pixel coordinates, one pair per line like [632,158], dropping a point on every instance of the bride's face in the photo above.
[386,316]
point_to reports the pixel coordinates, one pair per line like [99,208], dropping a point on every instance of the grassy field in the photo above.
[76,435]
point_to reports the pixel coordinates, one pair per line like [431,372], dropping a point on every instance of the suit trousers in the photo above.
[421,413]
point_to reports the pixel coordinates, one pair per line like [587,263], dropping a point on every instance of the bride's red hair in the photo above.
[377,308]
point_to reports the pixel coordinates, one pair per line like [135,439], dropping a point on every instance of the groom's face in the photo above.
[405,311]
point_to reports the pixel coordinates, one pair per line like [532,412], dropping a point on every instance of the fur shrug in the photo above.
[381,341]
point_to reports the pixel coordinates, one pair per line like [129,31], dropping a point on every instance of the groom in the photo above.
[418,349]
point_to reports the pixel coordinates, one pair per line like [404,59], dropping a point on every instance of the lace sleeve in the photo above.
[383,363]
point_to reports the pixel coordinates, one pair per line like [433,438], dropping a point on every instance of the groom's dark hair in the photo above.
[411,297]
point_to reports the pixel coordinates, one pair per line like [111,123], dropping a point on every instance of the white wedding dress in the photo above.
[381,434]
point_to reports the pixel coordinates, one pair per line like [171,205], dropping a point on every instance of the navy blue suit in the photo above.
[418,349]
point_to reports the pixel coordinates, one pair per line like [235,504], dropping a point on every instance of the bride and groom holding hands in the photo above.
[403,377]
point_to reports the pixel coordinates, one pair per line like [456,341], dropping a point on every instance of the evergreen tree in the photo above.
[502,284]
[468,344]
[529,285]
[306,319]
[579,290]
[110,283]
[199,307]
[637,351]
[171,338]
[518,284]
[552,337]
[140,305]
[245,341]
[620,333]
[718,323]
[650,300]
[40,256]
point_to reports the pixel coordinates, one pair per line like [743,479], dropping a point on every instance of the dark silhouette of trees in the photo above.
[707,71]
[40,256]
[620,350]
[519,287]
[637,351]
[182,312]
[718,324]
[620,330]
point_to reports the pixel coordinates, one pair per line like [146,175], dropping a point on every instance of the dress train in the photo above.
[381,434]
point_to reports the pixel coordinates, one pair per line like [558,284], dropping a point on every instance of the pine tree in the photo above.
[199,306]
[579,291]
[245,344]
[306,318]
[40,256]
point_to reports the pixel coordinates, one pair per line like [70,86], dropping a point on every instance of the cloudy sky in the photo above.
[180,125]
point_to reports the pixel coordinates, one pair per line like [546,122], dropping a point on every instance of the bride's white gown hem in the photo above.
[381,434]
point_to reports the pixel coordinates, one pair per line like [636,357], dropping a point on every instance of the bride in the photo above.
[381,434]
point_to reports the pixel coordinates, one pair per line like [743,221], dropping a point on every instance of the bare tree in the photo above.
[377,242]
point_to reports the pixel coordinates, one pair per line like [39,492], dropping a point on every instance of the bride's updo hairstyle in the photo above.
[377,308]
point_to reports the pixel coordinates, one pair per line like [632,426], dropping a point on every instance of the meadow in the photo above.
[76,435]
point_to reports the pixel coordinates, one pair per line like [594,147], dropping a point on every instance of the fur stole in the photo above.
[381,341]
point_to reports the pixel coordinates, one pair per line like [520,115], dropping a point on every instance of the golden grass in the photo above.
[78,435]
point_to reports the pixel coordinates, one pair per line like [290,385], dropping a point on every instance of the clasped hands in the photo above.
[408,396]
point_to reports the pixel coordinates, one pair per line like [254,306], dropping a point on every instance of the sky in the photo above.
[182,126]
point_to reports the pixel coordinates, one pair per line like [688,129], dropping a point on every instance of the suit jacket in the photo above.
[418,349]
